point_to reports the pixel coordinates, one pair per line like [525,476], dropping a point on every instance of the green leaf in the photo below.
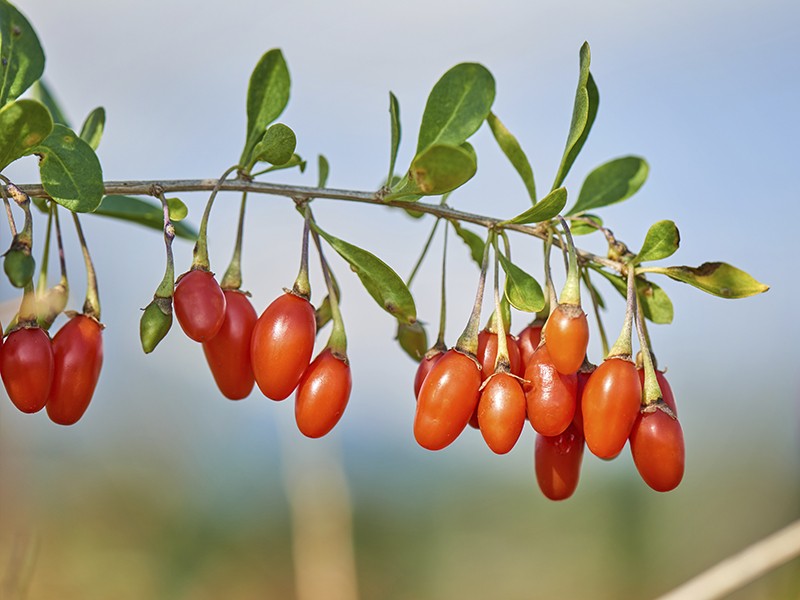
[522,290]
[394,115]
[276,146]
[324,169]
[511,148]
[22,56]
[93,126]
[323,312]
[472,240]
[611,182]
[716,278]
[440,169]
[580,228]
[457,106]
[267,96]
[42,93]
[178,211]
[413,339]
[379,279]
[295,161]
[662,240]
[656,305]
[70,171]
[584,112]
[546,209]
[142,211]
[24,124]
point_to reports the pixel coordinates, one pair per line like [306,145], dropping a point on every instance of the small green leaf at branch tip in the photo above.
[547,208]
[92,129]
[70,170]
[178,211]
[656,305]
[142,211]
[716,278]
[457,106]
[22,54]
[323,170]
[277,146]
[394,116]
[412,339]
[581,228]
[611,182]
[440,169]
[379,279]
[662,241]
[522,290]
[473,241]
[267,97]
[513,151]
[24,124]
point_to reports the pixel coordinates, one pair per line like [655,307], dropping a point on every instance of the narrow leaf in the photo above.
[716,278]
[581,228]
[583,114]
[43,94]
[472,240]
[93,126]
[70,171]
[24,124]
[142,211]
[546,209]
[513,151]
[662,240]
[394,115]
[22,56]
[267,96]
[611,182]
[457,105]
[379,279]
[656,305]
[276,146]
[324,170]
[522,290]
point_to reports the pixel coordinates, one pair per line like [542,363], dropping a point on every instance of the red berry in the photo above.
[528,341]
[583,377]
[501,412]
[26,365]
[425,366]
[666,390]
[228,352]
[558,463]
[567,334]
[447,400]
[658,450]
[322,394]
[610,403]
[199,305]
[282,345]
[550,395]
[78,357]
[487,354]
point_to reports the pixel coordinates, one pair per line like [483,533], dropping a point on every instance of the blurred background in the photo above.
[167,490]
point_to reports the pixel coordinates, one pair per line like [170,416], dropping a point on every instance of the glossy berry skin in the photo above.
[199,305]
[658,450]
[528,341]
[322,394]
[487,354]
[610,404]
[501,412]
[78,358]
[577,420]
[282,345]
[228,352]
[26,365]
[567,335]
[551,396]
[425,366]
[557,461]
[666,389]
[447,400]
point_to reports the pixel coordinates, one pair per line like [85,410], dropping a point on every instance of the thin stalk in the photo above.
[443,306]
[502,362]
[200,255]
[468,342]
[232,280]
[571,294]
[28,308]
[337,342]
[423,254]
[596,307]
[11,224]
[623,348]
[91,307]
[652,391]
[41,286]
[62,261]
[167,286]
[551,302]
[302,286]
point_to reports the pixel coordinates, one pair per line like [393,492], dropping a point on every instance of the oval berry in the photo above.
[551,396]
[77,358]
[528,341]
[26,366]
[610,403]
[666,389]
[199,305]
[567,334]
[658,450]
[487,354]
[282,345]
[228,352]
[447,400]
[425,366]
[501,412]
[557,461]
[322,394]
[583,377]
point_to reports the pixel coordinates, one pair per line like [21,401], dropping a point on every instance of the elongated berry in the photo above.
[501,412]
[558,461]
[567,335]
[199,305]
[26,365]
[551,396]
[322,394]
[658,449]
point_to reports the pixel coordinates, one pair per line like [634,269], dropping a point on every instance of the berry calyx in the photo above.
[199,305]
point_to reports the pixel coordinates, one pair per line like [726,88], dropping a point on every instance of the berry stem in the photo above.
[62,261]
[468,342]
[443,305]
[550,300]
[502,362]
[425,248]
[91,307]
[337,342]
[302,286]
[41,286]
[167,286]
[596,307]
[11,224]
[652,391]
[232,280]
[571,294]
[623,347]
[200,254]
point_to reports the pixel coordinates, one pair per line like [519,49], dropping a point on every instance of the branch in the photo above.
[299,192]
